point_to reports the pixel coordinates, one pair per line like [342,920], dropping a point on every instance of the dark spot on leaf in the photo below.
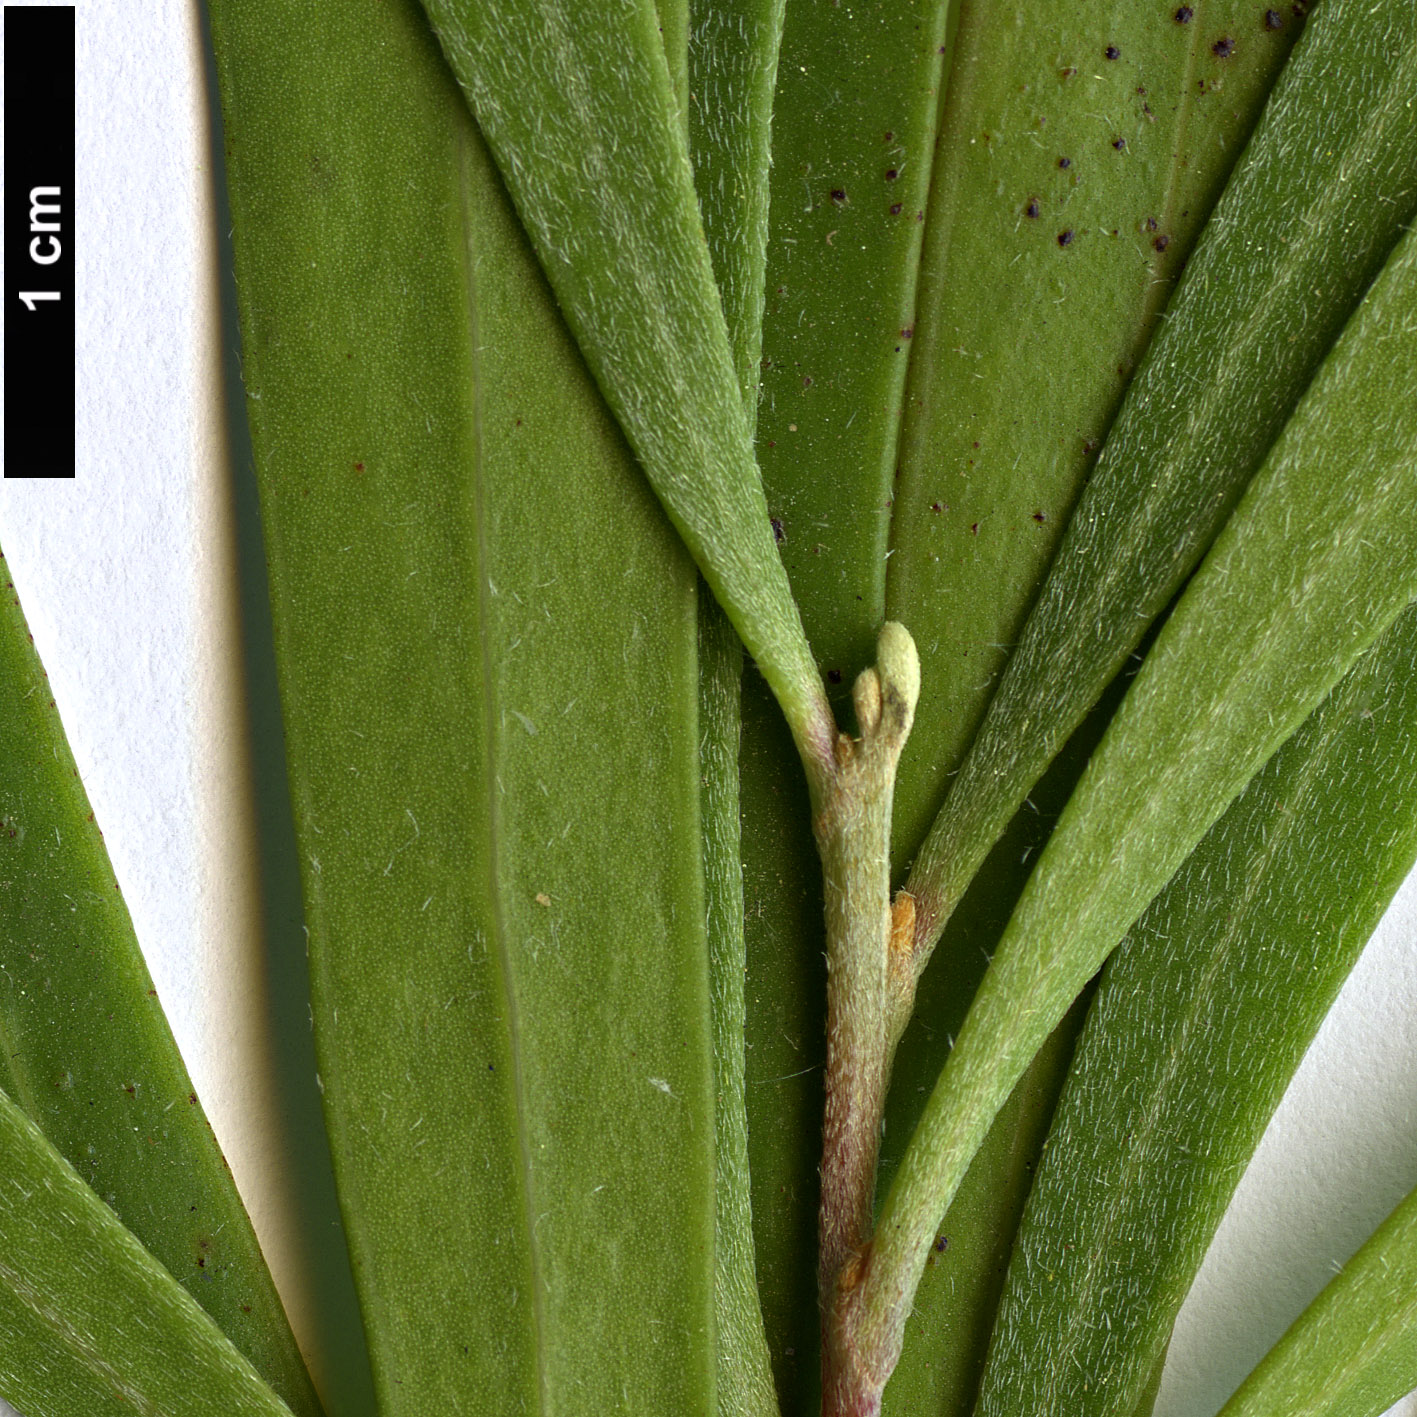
[1068,72]
[1031,210]
[1119,143]
[1039,517]
[1184,15]
[359,467]
[891,174]
[974,528]
[890,137]
[1112,52]
[895,208]
[777,532]
[1151,223]
[1089,446]
[833,676]
[1065,163]
[191,1097]
[908,332]
[1223,48]
[806,381]
[1161,242]
[838,194]
[1065,238]
[942,1243]
[936,507]
[1300,8]
[1273,20]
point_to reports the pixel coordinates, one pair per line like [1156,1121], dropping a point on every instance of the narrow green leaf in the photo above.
[853,147]
[745,1383]
[732,62]
[486,636]
[86,1049]
[947,1333]
[733,52]
[1202,1016]
[952,1315]
[1318,558]
[1353,1351]
[1325,188]
[575,104]
[1081,149]
[786,1041]
[91,1325]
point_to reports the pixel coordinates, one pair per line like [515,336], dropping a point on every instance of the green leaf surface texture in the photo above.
[1353,1351]
[730,63]
[951,1318]
[91,1325]
[745,1381]
[1318,558]
[576,105]
[853,144]
[486,638]
[1325,187]
[1203,1014]
[785,1040]
[732,74]
[1081,149]
[87,1052]
[952,1315]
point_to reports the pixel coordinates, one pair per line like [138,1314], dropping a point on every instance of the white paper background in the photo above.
[128,577]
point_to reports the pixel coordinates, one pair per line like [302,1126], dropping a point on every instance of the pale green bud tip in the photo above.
[898,663]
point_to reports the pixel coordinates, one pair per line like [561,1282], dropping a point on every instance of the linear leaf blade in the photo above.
[1317,560]
[732,75]
[731,64]
[1203,1014]
[576,105]
[91,1325]
[1080,153]
[87,1050]
[1325,188]
[853,147]
[485,635]
[1353,1351]
[745,1382]
[786,1041]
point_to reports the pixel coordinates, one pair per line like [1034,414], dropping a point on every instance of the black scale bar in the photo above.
[39,241]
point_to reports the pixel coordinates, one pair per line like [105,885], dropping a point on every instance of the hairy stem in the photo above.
[852,827]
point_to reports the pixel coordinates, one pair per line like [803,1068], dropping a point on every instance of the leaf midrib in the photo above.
[491,759]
